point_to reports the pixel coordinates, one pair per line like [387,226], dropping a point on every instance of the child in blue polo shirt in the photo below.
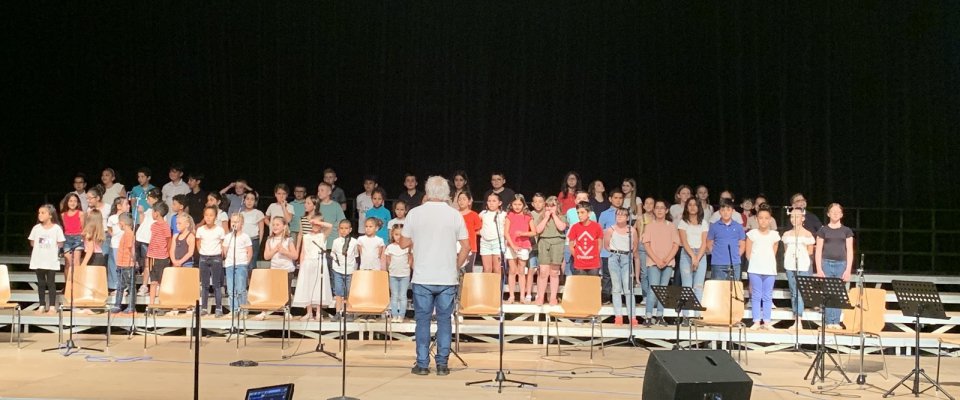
[726,241]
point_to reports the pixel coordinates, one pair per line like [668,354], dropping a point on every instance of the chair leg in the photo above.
[593,323]
[556,326]
[245,316]
[883,355]
[60,324]
[146,332]
[547,339]
[109,325]
[156,339]
[601,338]
[386,336]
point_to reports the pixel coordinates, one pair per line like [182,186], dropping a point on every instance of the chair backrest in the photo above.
[716,300]
[480,289]
[179,285]
[369,289]
[268,286]
[874,310]
[4,284]
[581,295]
[89,285]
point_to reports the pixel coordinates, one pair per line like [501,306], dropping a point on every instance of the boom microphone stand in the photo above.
[322,270]
[796,326]
[343,328]
[500,378]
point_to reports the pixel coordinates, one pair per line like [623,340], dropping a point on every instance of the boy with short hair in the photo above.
[143,234]
[196,199]
[299,195]
[365,199]
[235,199]
[381,213]
[158,252]
[497,185]
[175,186]
[179,204]
[412,196]
[726,242]
[344,254]
[125,264]
[586,239]
[330,177]
[140,191]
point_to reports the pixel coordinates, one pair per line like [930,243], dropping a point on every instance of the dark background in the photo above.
[851,102]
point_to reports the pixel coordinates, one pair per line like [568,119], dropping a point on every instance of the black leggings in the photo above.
[47,287]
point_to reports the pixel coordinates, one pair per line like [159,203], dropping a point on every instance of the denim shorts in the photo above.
[341,283]
[74,242]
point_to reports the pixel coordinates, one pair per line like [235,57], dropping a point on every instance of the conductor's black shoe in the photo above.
[420,370]
[442,370]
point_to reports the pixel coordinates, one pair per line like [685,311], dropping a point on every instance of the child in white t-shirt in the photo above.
[370,246]
[46,238]
[400,211]
[237,250]
[214,199]
[253,225]
[120,205]
[399,262]
[282,252]
[491,234]
[343,254]
[762,245]
[210,247]
[313,283]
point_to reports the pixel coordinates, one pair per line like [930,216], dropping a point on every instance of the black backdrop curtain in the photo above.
[845,101]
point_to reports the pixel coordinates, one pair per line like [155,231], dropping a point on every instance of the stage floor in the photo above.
[165,371]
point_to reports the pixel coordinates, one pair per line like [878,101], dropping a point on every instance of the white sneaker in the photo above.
[262,316]
[143,290]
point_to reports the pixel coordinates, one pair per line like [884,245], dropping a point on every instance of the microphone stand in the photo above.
[343,328]
[319,348]
[133,278]
[70,344]
[732,295]
[501,377]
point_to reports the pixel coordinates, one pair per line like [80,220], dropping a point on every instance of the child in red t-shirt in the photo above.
[585,237]
[472,220]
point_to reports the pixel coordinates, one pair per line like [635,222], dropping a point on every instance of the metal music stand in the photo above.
[827,293]
[679,299]
[918,299]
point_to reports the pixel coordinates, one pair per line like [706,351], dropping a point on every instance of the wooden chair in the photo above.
[479,297]
[86,290]
[951,341]
[874,309]
[4,305]
[716,300]
[269,292]
[370,295]
[581,300]
[179,289]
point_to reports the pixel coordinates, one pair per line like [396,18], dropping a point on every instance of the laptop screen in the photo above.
[278,392]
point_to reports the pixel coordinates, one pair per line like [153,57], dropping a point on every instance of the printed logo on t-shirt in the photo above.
[585,245]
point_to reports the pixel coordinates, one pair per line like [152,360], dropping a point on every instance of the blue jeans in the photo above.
[761,297]
[619,267]
[398,295]
[112,273]
[720,272]
[833,269]
[690,278]
[567,261]
[125,282]
[796,301]
[644,276]
[341,283]
[658,277]
[428,299]
[238,293]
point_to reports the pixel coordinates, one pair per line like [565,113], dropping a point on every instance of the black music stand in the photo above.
[827,293]
[679,299]
[918,299]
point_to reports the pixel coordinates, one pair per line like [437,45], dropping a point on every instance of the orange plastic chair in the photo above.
[268,292]
[179,288]
[716,300]
[370,295]
[4,305]
[87,289]
[874,310]
[581,299]
[479,297]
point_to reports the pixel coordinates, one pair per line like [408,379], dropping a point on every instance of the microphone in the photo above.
[346,245]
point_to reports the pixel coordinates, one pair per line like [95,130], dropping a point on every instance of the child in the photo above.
[114,235]
[145,214]
[158,251]
[365,199]
[281,208]
[237,252]
[681,196]
[93,238]
[309,211]
[572,219]
[762,246]
[400,210]
[519,228]
[216,201]
[693,258]
[299,210]
[586,238]
[498,183]
[126,263]
[381,213]
[282,252]
[175,187]
[235,199]
[72,217]
[337,193]
[331,210]
[344,255]
[725,242]
[834,254]
[538,208]
[111,189]
[399,261]
[313,277]
[184,242]
[568,191]
[661,241]
[252,225]
[139,193]
[179,205]
[411,195]
[472,220]
[491,234]
[370,246]
[617,240]
[210,242]
[46,238]
[798,247]
[550,247]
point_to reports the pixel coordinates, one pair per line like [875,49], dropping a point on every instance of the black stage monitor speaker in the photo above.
[694,375]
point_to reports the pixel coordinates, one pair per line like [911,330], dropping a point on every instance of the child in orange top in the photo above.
[125,264]
[472,220]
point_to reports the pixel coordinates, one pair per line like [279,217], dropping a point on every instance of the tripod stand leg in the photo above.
[908,376]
